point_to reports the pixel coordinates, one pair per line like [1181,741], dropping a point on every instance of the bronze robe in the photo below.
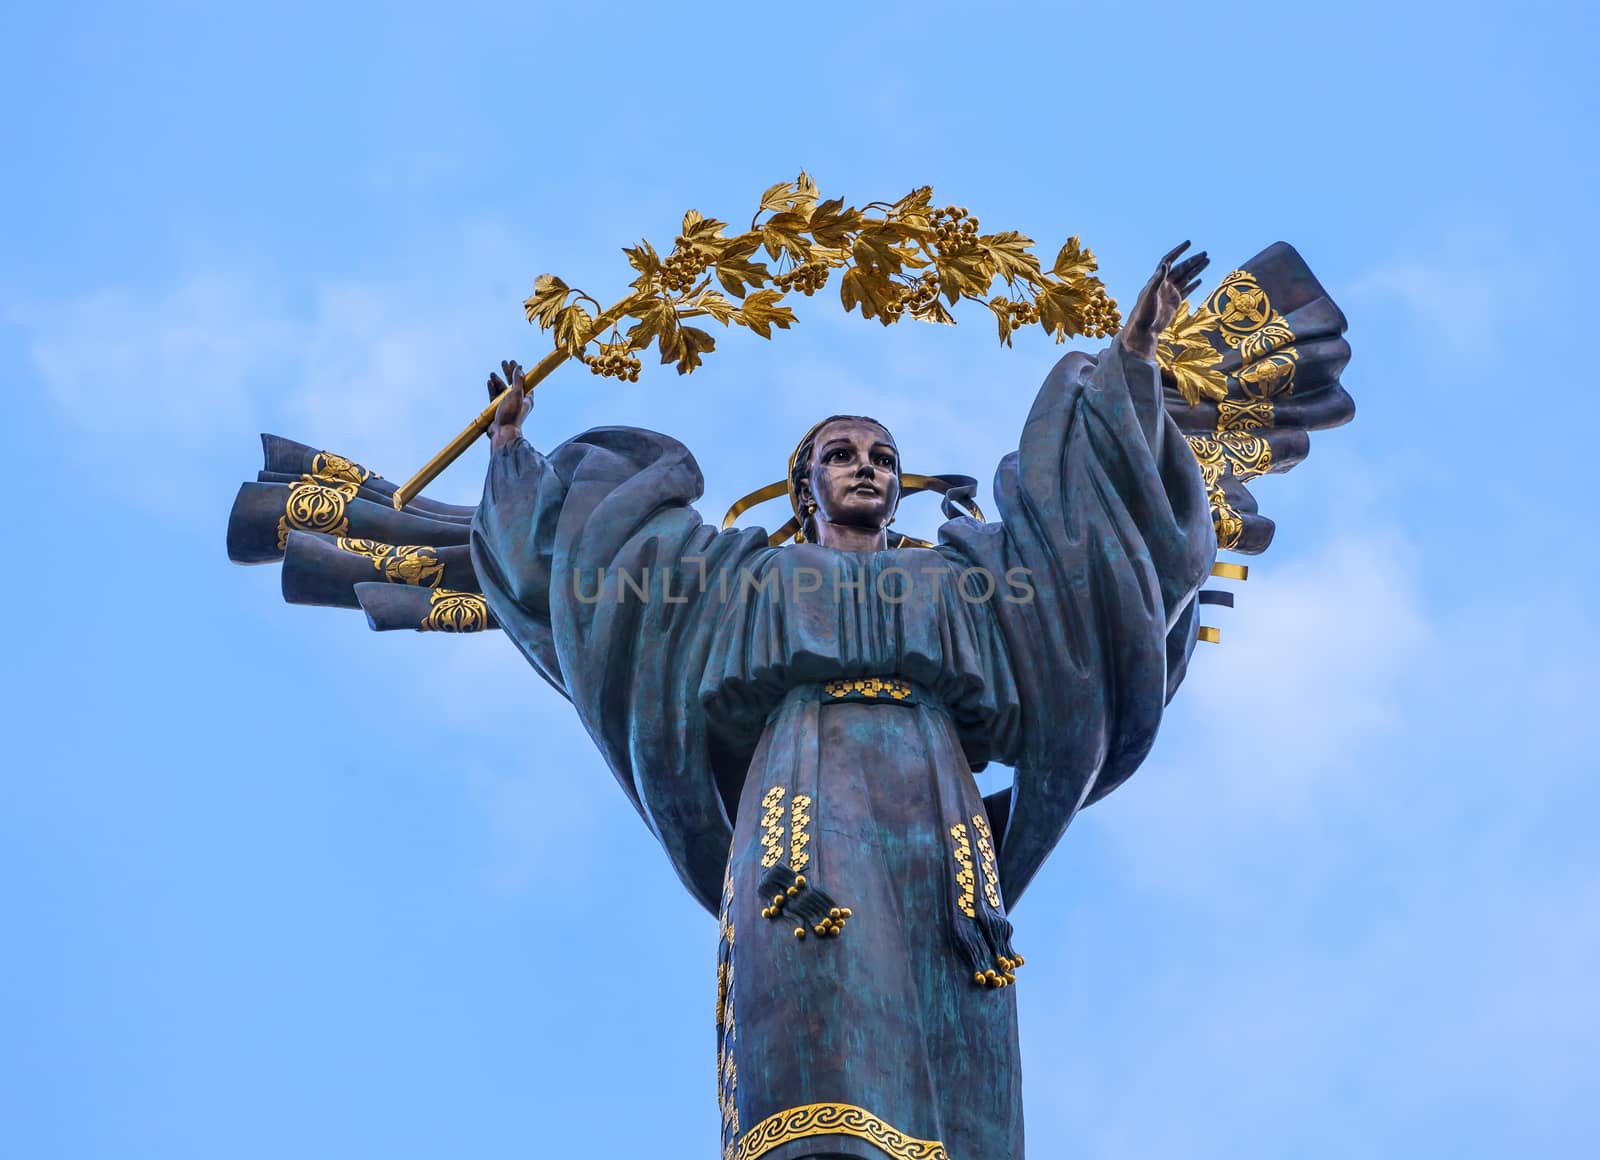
[798,726]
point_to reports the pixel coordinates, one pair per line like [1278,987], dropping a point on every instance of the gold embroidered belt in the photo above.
[867,690]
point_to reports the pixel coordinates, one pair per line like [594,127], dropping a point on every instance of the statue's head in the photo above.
[846,471]
[846,476]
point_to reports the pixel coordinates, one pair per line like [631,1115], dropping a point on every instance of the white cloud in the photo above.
[164,392]
[146,383]
[1276,725]
[1350,695]
[1459,288]
[162,389]
[1455,983]
[1309,667]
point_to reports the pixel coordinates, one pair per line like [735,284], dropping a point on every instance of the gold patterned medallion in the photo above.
[313,506]
[452,611]
[326,465]
[415,564]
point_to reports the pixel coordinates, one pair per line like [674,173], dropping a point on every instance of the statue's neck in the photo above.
[851,539]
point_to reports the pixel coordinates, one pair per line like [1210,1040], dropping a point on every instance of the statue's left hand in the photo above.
[1158,301]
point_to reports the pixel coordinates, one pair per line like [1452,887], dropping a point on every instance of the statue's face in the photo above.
[855,475]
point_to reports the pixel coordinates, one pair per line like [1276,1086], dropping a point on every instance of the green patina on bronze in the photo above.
[799,725]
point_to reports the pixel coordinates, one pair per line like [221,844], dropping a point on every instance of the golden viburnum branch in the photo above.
[899,258]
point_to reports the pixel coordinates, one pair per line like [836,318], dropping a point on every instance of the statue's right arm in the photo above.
[513,409]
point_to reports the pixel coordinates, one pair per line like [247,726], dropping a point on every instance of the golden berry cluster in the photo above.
[615,361]
[953,227]
[1023,314]
[1101,318]
[807,277]
[682,268]
[918,295]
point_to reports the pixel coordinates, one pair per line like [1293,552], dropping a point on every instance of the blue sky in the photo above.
[277,885]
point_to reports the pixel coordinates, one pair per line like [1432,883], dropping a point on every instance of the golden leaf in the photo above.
[1190,325]
[694,343]
[737,249]
[964,272]
[549,295]
[805,193]
[670,344]
[702,235]
[644,259]
[916,202]
[868,289]
[1186,353]
[1009,251]
[1062,310]
[1001,306]
[879,247]
[1075,261]
[1193,366]
[715,305]
[934,311]
[785,233]
[761,312]
[572,328]
[657,319]
[776,197]
[734,269]
[735,275]
[832,224]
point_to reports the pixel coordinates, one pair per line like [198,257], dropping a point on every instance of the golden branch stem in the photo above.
[540,371]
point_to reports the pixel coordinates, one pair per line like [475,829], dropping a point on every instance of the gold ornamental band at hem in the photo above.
[833,1120]
[893,687]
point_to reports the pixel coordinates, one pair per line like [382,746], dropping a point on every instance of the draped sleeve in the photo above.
[594,561]
[1103,507]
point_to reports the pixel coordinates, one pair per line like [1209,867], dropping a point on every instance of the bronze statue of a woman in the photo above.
[799,724]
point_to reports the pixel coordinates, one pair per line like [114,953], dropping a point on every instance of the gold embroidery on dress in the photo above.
[964,879]
[772,827]
[799,818]
[991,878]
[834,1120]
[727,1072]
[870,687]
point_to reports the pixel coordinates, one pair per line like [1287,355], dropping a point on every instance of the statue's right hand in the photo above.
[514,404]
